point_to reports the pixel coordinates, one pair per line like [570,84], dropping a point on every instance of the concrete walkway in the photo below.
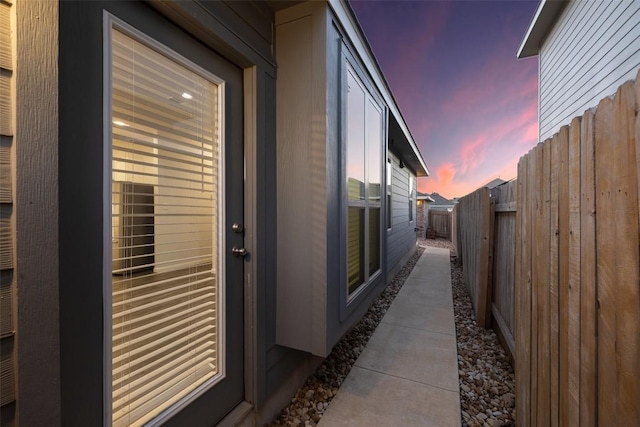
[407,375]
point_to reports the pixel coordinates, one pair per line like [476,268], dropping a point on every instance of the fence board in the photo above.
[522,291]
[570,344]
[543,240]
[606,264]
[627,291]
[588,325]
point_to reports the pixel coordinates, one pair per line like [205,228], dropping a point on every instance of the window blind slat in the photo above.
[170,393]
[165,169]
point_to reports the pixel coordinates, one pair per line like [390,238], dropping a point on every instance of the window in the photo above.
[166,282]
[410,198]
[364,125]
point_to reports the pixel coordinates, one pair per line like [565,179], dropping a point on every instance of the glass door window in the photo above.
[167,276]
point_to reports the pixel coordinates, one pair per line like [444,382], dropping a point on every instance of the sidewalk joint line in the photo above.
[413,381]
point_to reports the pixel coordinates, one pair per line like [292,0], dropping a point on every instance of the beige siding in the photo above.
[592,49]
[302,172]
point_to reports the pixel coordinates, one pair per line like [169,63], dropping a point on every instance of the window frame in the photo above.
[112,23]
[389,194]
[350,301]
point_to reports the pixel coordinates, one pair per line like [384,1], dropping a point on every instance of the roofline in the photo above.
[542,22]
[345,13]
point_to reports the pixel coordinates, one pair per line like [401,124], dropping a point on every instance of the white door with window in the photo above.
[175,315]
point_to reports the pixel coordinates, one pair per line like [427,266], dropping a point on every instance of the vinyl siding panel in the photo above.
[592,49]
[401,238]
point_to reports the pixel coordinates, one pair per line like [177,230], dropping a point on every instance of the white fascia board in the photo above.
[541,24]
[352,28]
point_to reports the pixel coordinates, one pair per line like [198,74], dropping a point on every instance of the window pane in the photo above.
[355,248]
[374,240]
[374,147]
[165,283]
[355,138]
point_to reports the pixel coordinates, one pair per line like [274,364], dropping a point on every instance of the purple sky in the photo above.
[470,104]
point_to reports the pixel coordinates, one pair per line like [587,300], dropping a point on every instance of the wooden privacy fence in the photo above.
[485,243]
[474,218]
[577,305]
[440,223]
[504,263]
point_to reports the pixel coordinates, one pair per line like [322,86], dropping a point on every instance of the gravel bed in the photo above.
[312,399]
[487,382]
[486,378]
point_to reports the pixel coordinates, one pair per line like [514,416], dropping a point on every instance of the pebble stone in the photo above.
[486,379]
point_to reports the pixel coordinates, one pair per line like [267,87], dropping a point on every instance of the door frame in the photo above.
[245,408]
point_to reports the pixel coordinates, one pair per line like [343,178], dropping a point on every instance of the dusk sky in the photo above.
[469,103]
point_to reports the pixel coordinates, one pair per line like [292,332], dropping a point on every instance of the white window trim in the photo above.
[110,23]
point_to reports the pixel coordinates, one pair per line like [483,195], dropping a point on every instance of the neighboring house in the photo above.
[494,183]
[441,203]
[422,213]
[198,199]
[586,50]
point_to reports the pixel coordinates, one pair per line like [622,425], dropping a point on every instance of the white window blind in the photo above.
[165,279]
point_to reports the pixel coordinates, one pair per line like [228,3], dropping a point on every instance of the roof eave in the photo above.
[345,14]
[542,22]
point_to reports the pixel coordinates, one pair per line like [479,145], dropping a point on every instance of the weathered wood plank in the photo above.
[522,315]
[535,172]
[606,251]
[543,288]
[588,269]
[570,345]
[626,285]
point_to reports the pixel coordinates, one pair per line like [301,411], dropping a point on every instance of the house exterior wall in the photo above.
[401,238]
[310,49]
[8,350]
[593,47]
[58,212]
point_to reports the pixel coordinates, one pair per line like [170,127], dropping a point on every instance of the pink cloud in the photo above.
[472,153]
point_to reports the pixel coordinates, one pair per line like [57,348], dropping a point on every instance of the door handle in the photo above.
[239,252]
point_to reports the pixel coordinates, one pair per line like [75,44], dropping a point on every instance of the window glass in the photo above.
[165,281]
[355,248]
[355,136]
[364,125]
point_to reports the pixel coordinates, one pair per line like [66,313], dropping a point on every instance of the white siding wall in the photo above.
[592,49]
[402,237]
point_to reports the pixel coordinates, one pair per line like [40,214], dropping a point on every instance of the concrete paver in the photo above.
[407,375]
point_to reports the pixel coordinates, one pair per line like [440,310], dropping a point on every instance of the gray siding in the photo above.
[401,238]
[592,49]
